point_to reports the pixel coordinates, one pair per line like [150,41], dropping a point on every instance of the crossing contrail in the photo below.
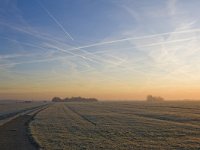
[56,21]
[133,38]
[96,59]
[143,46]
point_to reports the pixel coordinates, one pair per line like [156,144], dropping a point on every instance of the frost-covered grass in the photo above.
[8,107]
[119,125]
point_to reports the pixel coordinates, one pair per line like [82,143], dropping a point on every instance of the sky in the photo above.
[108,49]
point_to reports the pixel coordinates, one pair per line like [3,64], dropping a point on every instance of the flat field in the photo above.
[118,126]
[11,108]
[14,106]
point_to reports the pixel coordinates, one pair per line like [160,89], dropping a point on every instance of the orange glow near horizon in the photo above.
[123,51]
[106,93]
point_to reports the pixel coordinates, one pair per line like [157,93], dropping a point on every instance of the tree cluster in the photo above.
[74,99]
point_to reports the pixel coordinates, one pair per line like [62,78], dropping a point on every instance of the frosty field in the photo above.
[118,125]
[9,109]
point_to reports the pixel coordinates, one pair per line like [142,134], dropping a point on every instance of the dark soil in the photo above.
[14,134]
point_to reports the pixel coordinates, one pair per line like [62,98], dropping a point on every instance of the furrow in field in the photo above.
[81,116]
[96,129]
[186,122]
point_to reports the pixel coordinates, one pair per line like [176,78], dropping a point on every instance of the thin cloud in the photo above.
[11,64]
[23,43]
[30,31]
[56,21]
[134,38]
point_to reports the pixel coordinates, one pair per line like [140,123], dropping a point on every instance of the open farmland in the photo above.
[11,109]
[16,106]
[119,125]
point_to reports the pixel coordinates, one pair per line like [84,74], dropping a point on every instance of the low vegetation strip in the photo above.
[33,113]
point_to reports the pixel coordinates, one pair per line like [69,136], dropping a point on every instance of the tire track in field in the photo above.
[91,122]
[81,116]
[184,123]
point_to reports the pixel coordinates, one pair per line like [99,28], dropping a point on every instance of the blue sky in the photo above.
[122,49]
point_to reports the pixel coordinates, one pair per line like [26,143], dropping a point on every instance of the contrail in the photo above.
[150,45]
[96,59]
[44,38]
[86,57]
[23,43]
[56,21]
[31,33]
[74,54]
[30,62]
[99,60]
[82,56]
[15,56]
[134,38]
[167,42]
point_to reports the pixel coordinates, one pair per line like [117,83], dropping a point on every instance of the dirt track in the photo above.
[14,134]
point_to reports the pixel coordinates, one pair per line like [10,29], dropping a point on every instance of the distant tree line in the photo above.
[151,98]
[74,99]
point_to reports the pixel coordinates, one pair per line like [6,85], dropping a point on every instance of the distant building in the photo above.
[151,98]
